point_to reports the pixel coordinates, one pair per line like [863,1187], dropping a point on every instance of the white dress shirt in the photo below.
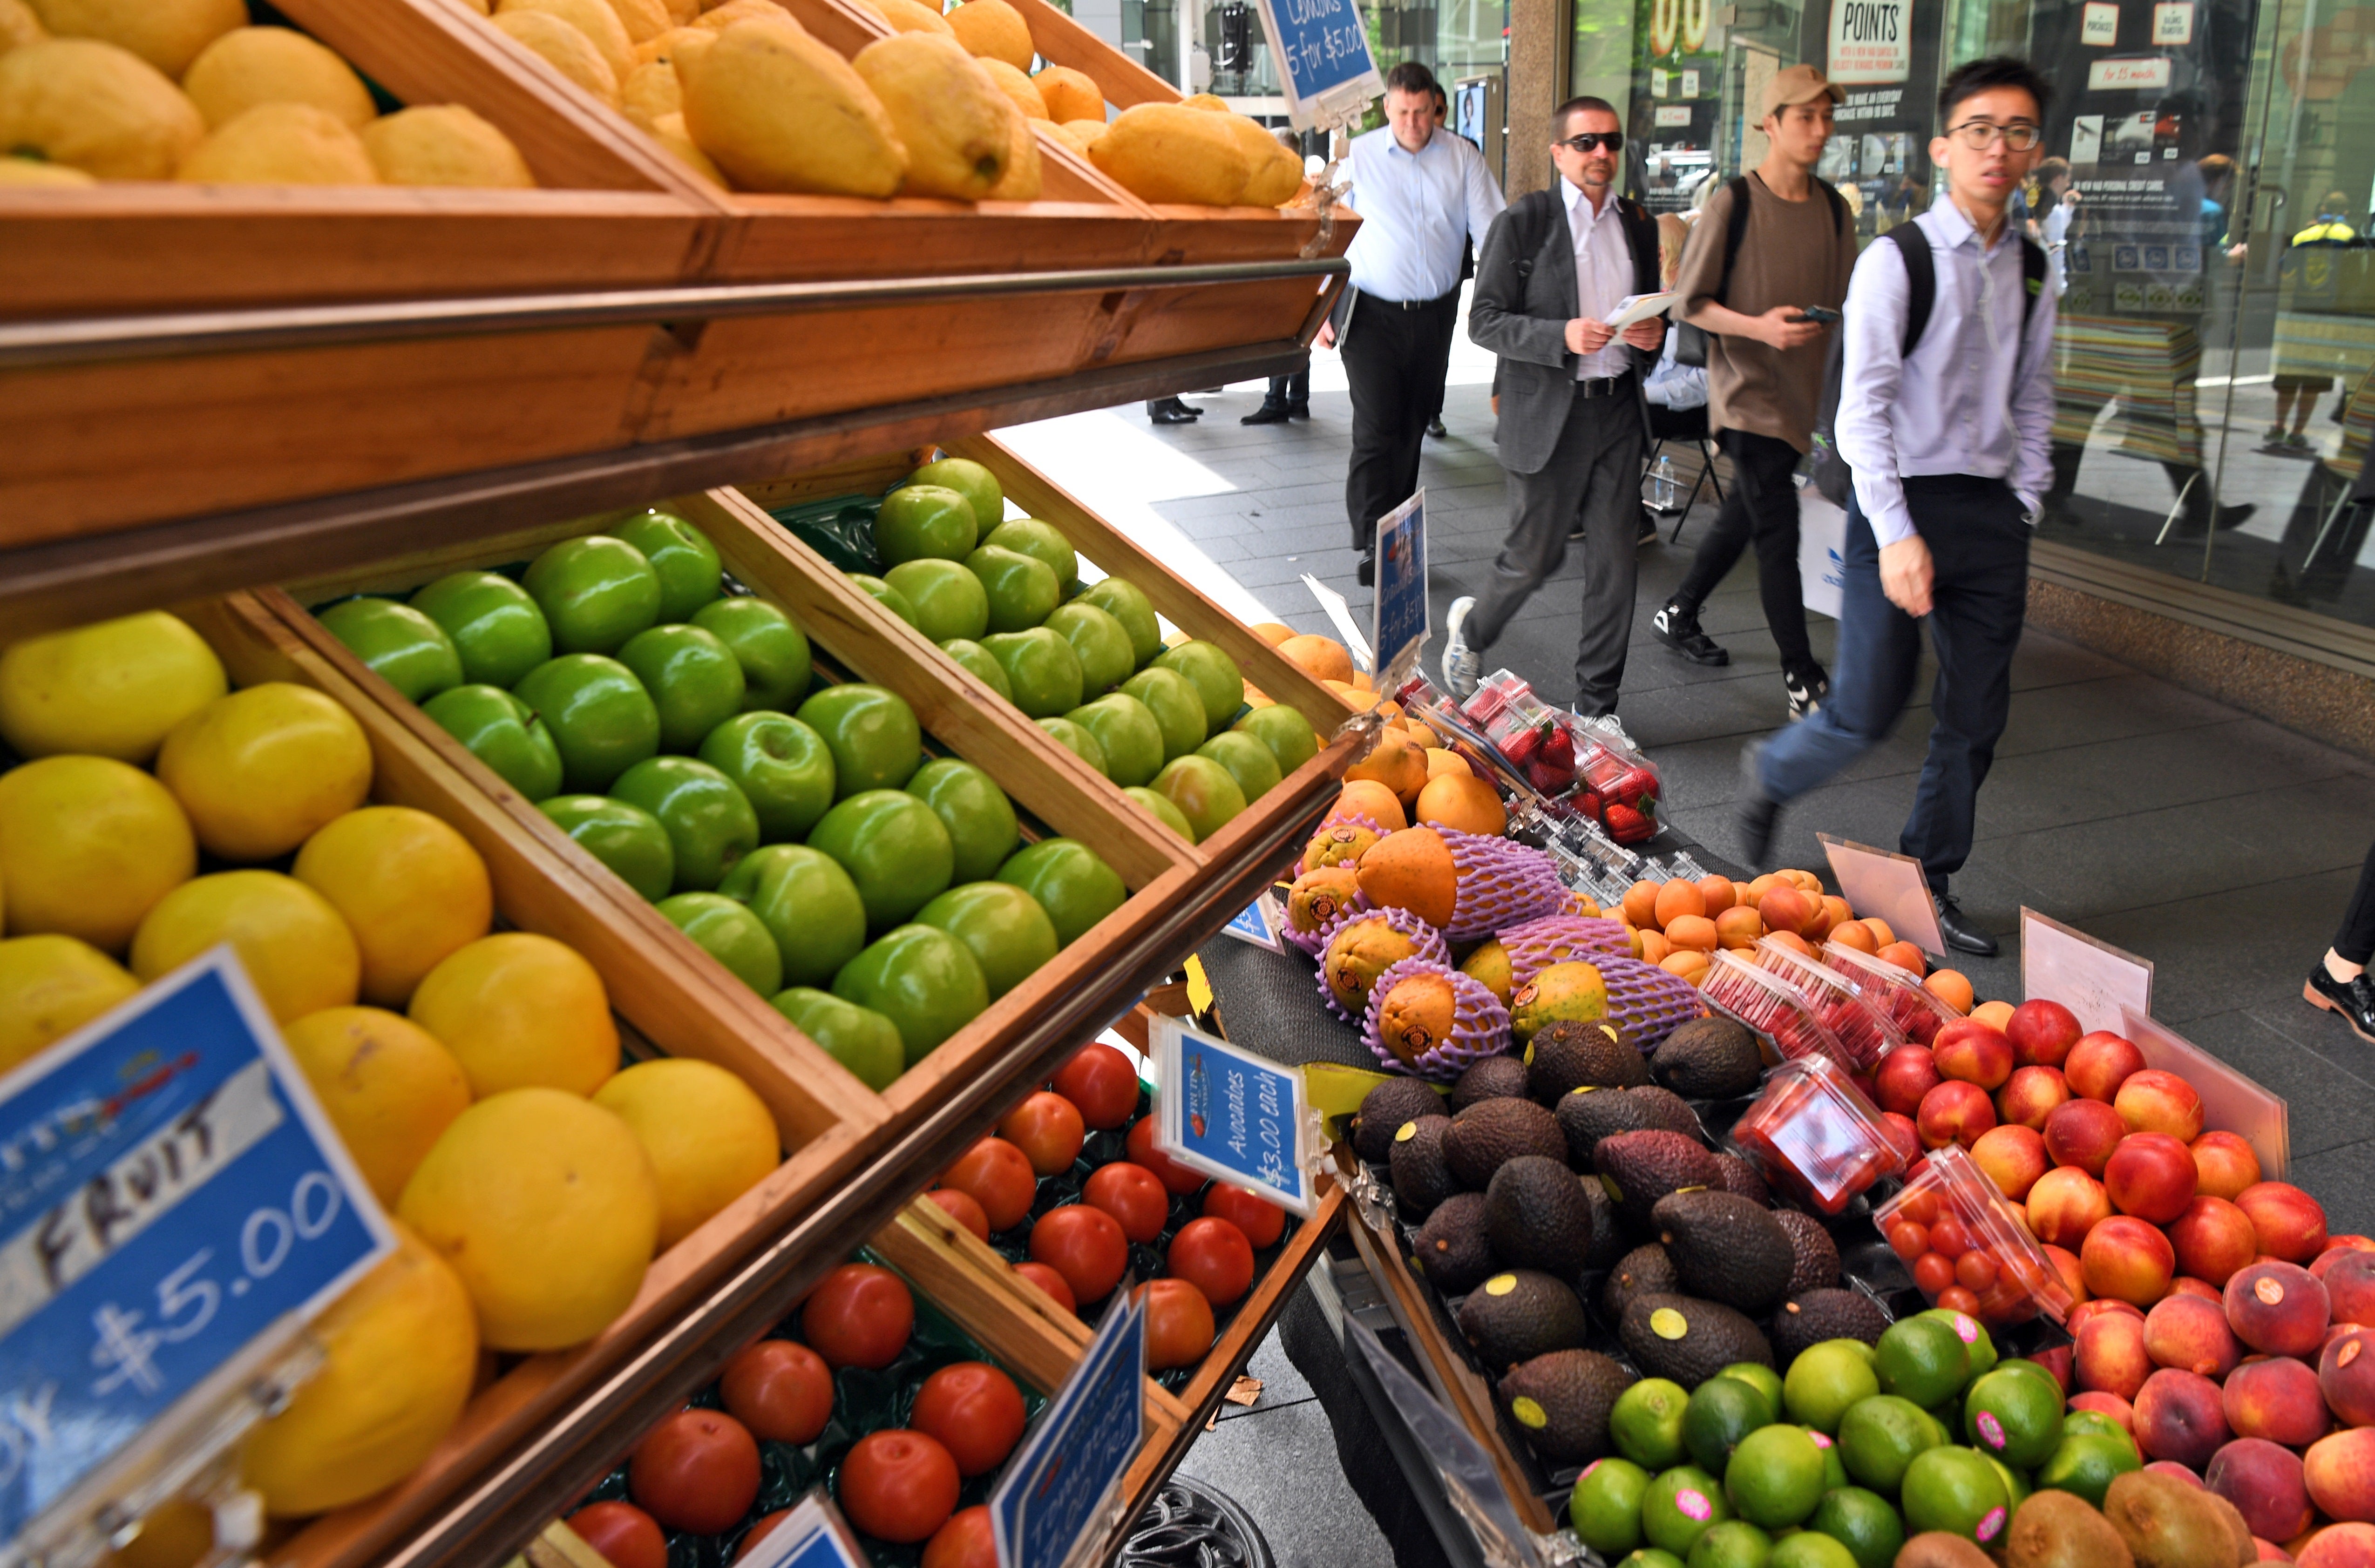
[1415,209]
[1976,396]
[1604,274]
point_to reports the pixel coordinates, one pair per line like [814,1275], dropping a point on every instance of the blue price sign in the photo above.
[1050,1495]
[175,1207]
[1258,924]
[1322,50]
[1401,612]
[1237,1117]
[811,1536]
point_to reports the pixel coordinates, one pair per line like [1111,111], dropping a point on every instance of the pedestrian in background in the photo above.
[2340,984]
[1467,270]
[1289,396]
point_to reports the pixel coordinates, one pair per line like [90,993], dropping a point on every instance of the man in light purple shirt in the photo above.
[1950,445]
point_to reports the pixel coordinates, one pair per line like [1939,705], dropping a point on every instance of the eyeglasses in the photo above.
[1980,134]
[1589,141]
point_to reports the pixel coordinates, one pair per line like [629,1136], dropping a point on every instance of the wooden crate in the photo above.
[825,1117]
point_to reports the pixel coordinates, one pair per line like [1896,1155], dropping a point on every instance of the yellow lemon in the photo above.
[168,34]
[594,19]
[178,1534]
[444,144]
[91,106]
[945,111]
[50,987]
[1070,94]
[19,26]
[1020,90]
[995,30]
[644,19]
[780,112]
[402,1350]
[678,143]
[280,144]
[709,1140]
[88,845]
[1025,173]
[910,16]
[411,889]
[517,1010]
[546,1206]
[651,90]
[290,941]
[252,66]
[675,45]
[112,689]
[717,18]
[564,49]
[1168,152]
[262,770]
[24,172]
[389,1086]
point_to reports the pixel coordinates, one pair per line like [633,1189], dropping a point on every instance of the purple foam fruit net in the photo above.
[1479,1024]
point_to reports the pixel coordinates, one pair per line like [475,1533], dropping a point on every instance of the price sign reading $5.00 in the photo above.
[175,1206]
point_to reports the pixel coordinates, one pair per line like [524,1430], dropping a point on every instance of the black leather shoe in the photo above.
[1961,932]
[1268,414]
[1171,411]
[1366,572]
[1434,428]
[2354,999]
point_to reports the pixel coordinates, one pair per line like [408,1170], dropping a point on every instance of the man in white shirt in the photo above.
[1421,193]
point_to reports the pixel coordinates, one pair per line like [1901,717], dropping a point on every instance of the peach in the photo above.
[2107,1404]
[2100,1306]
[2111,1358]
[2128,1259]
[1786,908]
[2264,1483]
[1675,899]
[2153,1100]
[2042,1032]
[2099,1063]
[2340,1471]
[2176,1472]
[1903,1136]
[2276,1397]
[2350,1287]
[2190,1335]
[1856,935]
[2074,1278]
[1995,1014]
[2278,1307]
[2187,1285]
[2030,1095]
[1904,1076]
[1973,1052]
[1738,927]
[1696,932]
[2061,1361]
[2212,1239]
[2150,1176]
[1951,986]
[1881,933]
[2064,1205]
[2227,1164]
[1953,1113]
[2012,1158]
[2290,1223]
[2337,1546]
[2346,1375]
[1904,956]
[2083,1133]
[2179,1417]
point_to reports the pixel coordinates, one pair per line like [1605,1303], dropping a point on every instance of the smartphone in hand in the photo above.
[1821,315]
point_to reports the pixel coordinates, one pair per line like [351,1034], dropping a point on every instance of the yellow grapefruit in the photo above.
[411,889]
[709,1140]
[520,1010]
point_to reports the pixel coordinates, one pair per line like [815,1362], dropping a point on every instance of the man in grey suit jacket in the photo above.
[1554,265]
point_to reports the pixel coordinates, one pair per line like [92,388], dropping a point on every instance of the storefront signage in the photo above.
[2096,980]
[2099,29]
[1054,1490]
[2172,24]
[1672,116]
[1237,1117]
[2128,76]
[1872,41]
[1324,65]
[1399,629]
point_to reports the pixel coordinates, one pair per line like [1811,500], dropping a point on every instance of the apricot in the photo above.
[2153,1100]
[2340,1472]
[2179,1417]
[1688,963]
[2265,1484]
[1696,932]
[2128,1259]
[1757,888]
[2065,1205]
[1881,935]
[1655,947]
[1856,935]
[2278,1307]
[1785,908]
[1950,986]
[2190,1335]
[2226,1163]
[2289,1223]
[1677,898]
[2112,1355]
[1739,926]
[1806,880]
[2279,1398]
[1904,956]
[1995,1014]
[1642,905]
[1794,942]
[1836,913]
[2345,1376]
[1367,797]
[2212,1239]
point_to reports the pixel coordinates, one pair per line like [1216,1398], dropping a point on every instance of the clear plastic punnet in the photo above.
[1893,992]
[1866,1031]
[1767,1003]
[1964,1248]
[1813,1134]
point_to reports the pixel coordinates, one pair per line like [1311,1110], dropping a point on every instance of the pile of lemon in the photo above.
[473,1074]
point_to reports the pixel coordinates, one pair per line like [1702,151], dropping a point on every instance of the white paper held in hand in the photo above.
[1636,308]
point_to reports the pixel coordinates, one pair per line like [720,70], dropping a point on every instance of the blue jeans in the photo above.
[1978,548]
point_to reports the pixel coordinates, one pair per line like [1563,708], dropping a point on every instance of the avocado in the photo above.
[1665,1109]
[1520,1314]
[1536,1216]
[1809,1318]
[1726,1248]
[1588,1115]
[1818,1255]
[1421,1178]
[1737,1176]
[1561,1402]
[1490,1132]
[1494,1078]
[1383,1111]
[1688,1340]
[1643,1270]
[1642,1167]
[1451,1249]
[1709,1058]
[1610,1240]
[1568,1054]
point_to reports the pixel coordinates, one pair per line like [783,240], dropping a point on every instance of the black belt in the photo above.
[1413,305]
[1604,387]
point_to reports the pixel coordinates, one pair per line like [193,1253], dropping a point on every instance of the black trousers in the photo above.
[1394,363]
[2355,941]
[1763,507]
[1289,392]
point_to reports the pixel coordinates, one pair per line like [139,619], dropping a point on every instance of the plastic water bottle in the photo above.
[1665,490]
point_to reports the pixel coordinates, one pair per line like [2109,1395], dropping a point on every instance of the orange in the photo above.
[1951,987]
[1395,763]
[518,1010]
[1322,658]
[1367,797]
[1270,632]
[1463,801]
[1441,762]
[1677,898]
[1412,870]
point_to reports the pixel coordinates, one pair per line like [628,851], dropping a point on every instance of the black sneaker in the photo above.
[2354,999]
[1679,629]
[1807,687]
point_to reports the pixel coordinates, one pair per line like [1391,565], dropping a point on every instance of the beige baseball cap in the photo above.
[1799,84]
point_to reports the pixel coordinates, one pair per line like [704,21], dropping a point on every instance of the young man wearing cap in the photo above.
[1747,282]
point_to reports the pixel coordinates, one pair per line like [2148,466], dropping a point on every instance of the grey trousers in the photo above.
[1597,467]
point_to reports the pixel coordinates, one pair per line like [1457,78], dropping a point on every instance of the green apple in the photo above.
[858,1038]
[1098,642]
[682,557]
[1071,882]
[1079,742]
[1204,791]
[1028,536]
[1162,811]
[1041,669]
[773,650]
[977,662]
[1022,592]
[496,627]
[1004,928]
[1128,603]
[627,839]
[782,767]
[1285,731]
[708,822]
[600,716]
[894,846]
[924,521]
[1179,709]
[889,597]
[695,681]
[729,932]
[1126,733]
[948,600]
[1246,759]
[872,734]
[500,730]
[807,903]
[980,817]
[924,981]
[1215,677]
[595,592]
[971,480]
[397,643]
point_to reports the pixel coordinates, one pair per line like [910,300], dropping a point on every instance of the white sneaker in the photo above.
[1462,669]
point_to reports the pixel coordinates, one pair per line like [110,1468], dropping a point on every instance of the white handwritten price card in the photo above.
[1322,50]
[1235,1116]
[175,1207]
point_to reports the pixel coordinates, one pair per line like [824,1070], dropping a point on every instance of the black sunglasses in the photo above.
[1589,141]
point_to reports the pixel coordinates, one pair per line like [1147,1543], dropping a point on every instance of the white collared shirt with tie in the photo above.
[1604,274]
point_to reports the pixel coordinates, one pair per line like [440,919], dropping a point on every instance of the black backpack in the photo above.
[1832,475]
[1532,216]
[1690,342]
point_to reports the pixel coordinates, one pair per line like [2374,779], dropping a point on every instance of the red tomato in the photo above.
[860,1316]
[1174,1176]
[1047,1280]
[780,1389]
[1085,1246]
[1178,1324]
[1933,1272]
[975,1412]
[1048,1131]
[697,1470]
[1101,1082]
[966,1541]
[963,1208]
[758,1532]
[1954,1297]
[1000,1179]
[1131,1194]
[898,1485]
[622,1533]
[1214,1257]
[1262,1221]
